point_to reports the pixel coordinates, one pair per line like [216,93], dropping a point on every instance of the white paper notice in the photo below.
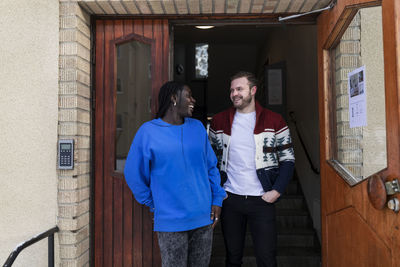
[275,87]
[357,98]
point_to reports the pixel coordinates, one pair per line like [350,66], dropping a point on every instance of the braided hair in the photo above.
[164,96]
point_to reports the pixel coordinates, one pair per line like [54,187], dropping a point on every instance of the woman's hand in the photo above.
[215,215]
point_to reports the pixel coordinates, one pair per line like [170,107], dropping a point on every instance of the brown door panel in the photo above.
[123,229]
[354,233]
[364,245]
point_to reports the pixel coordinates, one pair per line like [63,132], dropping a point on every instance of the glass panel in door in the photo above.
[359,145]
[133,93]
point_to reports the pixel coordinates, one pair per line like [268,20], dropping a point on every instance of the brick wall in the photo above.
[74,123]
[349,140]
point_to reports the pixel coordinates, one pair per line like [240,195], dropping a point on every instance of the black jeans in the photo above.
[237,211]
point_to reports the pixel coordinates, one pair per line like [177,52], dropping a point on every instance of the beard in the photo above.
[246,100]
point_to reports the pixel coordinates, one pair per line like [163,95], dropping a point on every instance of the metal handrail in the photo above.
[49,233]
[313,168]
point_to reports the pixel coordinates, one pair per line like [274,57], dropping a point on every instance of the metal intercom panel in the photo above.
[66,154]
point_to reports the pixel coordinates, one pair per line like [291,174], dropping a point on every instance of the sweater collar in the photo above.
[232,112]
[160,122]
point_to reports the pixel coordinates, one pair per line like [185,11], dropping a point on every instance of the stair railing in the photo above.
[49,234]
[313,168]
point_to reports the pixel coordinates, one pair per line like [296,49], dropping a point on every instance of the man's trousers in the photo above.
[237,212]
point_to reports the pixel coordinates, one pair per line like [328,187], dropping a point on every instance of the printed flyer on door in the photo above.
[357,98]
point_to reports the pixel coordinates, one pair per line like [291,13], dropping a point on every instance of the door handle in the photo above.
[379,190]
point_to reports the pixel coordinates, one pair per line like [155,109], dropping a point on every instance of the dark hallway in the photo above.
[257,48]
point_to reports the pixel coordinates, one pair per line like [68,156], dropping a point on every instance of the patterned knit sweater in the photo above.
[274,155]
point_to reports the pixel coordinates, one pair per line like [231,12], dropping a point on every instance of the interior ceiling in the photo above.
[200,7]
[222,34]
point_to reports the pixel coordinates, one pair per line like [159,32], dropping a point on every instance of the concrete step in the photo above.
[293,218]
[286,257]
[288,218]
[299,257]
[291,202]
[293,188]
[296,237]
[286,238]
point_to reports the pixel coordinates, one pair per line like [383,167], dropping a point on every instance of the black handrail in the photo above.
[313,168]
[49,233]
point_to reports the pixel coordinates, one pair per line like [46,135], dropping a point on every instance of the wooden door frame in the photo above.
[331,25]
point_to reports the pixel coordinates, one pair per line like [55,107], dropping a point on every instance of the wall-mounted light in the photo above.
[204,27]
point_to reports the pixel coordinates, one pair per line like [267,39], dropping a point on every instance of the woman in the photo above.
[171,168]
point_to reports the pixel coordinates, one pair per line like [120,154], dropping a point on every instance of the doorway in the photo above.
[258,48]
[123,228]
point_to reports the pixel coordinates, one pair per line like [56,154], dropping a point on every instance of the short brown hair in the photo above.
[248,75]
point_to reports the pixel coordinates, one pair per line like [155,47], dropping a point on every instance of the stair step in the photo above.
[299,257]
[291,202]
[292,218]
[292,188]
[296,239]
[288,218]
[286,238]
[286,257]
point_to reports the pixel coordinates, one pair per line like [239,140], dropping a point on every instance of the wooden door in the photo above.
[123,229]
[354,233]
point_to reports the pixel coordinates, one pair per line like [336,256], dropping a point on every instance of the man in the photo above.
[256,162]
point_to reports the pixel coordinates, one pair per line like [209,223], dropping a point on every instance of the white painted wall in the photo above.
[28,125]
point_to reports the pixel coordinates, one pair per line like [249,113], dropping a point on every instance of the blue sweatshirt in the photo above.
[172,170]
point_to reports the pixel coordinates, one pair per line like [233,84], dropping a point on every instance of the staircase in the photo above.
[298,244]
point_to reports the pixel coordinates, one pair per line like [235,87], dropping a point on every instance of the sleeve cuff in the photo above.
[280,190]
[217,200]
[150,204]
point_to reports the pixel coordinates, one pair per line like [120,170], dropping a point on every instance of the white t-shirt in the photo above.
[241,169]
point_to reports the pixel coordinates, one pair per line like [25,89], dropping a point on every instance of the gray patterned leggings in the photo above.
[186,249]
